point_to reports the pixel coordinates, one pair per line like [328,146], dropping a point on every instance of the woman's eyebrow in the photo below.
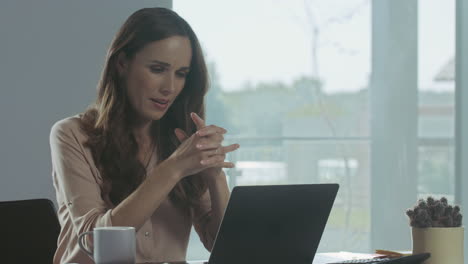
[161,62]
[168,64]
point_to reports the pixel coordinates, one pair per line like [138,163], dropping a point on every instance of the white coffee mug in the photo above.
[114,245]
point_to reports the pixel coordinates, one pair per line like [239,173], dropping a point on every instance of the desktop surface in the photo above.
[320,258]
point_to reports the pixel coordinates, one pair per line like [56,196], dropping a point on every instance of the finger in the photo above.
[212,161]
[211,138]
[180,134]
[227,165]
[200,123]
[224,164]
[208,145]
[230,148]
[214,146]
[213,152]
[219,154]
[223,150]
[211,130]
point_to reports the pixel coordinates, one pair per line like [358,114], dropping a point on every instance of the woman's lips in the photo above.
[160,104]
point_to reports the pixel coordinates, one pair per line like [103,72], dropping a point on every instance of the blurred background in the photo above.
[360,92]
[306,86]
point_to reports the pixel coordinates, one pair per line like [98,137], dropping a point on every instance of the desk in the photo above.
[320,258]
[179,262]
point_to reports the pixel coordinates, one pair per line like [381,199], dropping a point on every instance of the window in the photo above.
[356,92]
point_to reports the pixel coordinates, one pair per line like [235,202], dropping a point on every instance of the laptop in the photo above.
[275,224]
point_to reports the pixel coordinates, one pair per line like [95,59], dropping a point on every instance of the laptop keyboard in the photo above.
[411,259]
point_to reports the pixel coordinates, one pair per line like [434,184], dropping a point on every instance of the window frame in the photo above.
[461,110]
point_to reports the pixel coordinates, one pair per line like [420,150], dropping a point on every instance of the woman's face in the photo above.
[156,76]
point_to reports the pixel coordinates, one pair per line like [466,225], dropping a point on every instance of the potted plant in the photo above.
[437,229]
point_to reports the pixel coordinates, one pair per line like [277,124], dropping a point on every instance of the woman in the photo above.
[142,156]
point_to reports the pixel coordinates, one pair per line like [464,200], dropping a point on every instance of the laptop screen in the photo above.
[273,224]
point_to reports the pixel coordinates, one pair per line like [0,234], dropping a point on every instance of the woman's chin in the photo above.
[157,116]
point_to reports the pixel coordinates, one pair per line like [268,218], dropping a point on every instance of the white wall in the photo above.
[51,55]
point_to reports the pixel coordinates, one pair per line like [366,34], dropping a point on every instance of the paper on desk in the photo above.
[324,258]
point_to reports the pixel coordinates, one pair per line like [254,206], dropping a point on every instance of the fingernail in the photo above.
[203,162]
[199,146]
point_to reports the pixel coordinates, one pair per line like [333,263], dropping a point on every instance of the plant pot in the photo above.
[444,243]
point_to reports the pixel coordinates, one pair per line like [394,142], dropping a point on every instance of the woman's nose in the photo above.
[168,86]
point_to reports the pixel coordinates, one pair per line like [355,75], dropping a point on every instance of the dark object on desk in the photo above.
[275,224]
[411,259]
[29,231]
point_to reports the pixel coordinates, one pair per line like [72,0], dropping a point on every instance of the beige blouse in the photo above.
[82,205]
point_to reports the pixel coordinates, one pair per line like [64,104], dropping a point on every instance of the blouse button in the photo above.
[146,233]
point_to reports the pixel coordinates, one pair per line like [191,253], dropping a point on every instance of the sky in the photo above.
[271,40]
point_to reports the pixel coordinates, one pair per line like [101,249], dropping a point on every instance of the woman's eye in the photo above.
[182,74]
[157,69]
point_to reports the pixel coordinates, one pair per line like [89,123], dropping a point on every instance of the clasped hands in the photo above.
[203,151]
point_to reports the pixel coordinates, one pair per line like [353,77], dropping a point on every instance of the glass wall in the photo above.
[294,84]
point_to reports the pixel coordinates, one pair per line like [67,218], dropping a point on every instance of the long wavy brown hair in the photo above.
[108,121]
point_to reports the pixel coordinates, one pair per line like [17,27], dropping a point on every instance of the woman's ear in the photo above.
[122,63]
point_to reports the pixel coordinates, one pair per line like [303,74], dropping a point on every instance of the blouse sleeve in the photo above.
[76,184]
[201,219]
